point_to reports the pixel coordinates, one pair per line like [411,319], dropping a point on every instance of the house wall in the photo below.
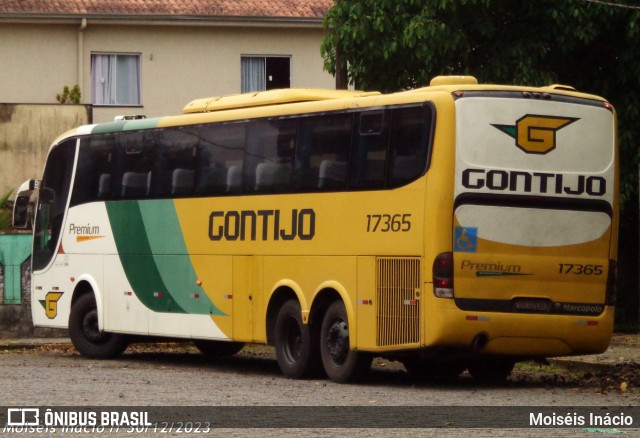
[26,133]
[36,62]
[178,63]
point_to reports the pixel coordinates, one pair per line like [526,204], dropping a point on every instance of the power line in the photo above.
[617,5]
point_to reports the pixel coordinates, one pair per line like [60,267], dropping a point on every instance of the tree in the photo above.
[593,45]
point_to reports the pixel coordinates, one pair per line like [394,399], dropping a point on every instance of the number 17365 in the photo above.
[578,269]
[385,223]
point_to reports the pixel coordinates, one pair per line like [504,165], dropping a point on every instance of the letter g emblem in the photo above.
[537,134]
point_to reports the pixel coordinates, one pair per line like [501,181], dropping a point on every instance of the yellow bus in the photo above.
[456,226]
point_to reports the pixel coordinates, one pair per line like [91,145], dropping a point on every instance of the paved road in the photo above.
[179,376]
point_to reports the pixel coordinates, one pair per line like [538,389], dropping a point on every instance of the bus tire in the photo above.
[217,349]
[490,369]
[296,344]
[85,335]
[341,363]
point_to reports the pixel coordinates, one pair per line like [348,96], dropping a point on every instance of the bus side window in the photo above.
[219,158]
[270,151]
[370,152]
[93,180]
[409,143]
[176,163]
[322,154]
[138,152]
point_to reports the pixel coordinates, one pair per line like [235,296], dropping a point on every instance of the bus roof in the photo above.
[283,101]
[271,97]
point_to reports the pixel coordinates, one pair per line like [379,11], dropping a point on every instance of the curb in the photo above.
[582,366]
[22,344]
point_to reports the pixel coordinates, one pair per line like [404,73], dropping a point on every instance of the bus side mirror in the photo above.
[21,212]
[20,219]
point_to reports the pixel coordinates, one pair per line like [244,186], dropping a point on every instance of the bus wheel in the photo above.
[341,363]
[87,337]
[296,346]
[490,369]
[433,371]
[217,349]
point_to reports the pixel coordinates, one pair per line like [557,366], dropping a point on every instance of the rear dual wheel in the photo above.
[341,363]
[297,349]
[301,349]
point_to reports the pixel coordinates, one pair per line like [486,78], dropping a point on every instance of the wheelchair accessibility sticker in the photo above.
[465,239]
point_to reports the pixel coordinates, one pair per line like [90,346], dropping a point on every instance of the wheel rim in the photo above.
[293,340]
[90,327]
[338,341]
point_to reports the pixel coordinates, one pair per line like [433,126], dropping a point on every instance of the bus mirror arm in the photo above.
[20,219]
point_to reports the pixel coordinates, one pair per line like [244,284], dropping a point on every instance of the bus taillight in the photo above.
[443,275]
[612,280]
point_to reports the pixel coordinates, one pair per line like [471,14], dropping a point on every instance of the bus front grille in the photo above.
[398,303]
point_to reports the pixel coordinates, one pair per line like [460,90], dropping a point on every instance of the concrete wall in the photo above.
[26,132]
[15,319]
[179,63]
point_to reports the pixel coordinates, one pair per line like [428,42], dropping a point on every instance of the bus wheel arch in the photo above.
[280,296]
[84,327]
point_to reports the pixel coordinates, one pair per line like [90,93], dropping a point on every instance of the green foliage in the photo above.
[5,212]
[390,45]
[69,96]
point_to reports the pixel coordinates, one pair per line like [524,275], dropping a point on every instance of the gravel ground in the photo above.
[175,374]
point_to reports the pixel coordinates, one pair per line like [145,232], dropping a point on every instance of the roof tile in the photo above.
[198,8]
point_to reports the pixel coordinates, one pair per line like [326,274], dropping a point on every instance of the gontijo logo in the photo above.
[536,134]
[50,304]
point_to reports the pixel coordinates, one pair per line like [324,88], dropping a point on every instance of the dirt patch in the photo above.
[622,376]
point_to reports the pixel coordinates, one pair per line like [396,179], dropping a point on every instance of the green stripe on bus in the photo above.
[104,128]
[126,125]
[155,259]
[134,125]
[172,259]
[139,266]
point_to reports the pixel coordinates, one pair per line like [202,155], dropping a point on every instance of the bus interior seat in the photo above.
[104,185]
[182,181]
[332,174]
[234,179]
[212,180]
[272,176]
[136,184]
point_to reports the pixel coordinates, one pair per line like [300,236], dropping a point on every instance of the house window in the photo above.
[261,73]
[115,79]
